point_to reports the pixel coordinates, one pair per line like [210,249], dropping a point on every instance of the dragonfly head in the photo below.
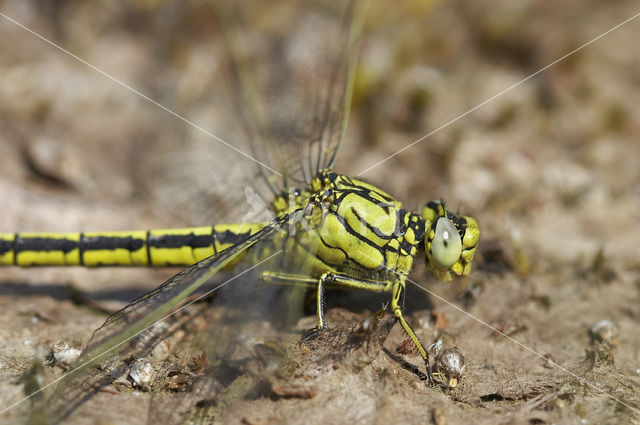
[450,241]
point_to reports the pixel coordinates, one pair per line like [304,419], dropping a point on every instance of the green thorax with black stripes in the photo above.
[360,229]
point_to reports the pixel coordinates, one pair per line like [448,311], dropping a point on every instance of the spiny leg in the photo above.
[291,279]
[398,286]
[344,281]
[308,282]
[320,324]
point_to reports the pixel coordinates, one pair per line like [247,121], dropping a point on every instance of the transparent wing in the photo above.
[294,105]
[238,322]
[278,89]
[141,315]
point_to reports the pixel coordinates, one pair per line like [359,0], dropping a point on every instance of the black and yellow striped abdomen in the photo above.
[153,248]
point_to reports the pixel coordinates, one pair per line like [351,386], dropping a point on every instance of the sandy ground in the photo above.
[550,169]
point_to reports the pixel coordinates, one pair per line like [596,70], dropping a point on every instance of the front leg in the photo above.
[398,287]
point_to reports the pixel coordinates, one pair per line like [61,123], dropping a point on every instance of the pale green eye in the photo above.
[446,246]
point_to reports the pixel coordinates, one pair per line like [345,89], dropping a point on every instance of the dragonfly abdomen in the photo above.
[152,248]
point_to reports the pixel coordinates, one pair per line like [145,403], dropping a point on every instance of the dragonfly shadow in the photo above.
[69,292]
[359,301]
[13,289]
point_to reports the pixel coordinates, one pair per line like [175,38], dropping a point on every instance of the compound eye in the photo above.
[446,246]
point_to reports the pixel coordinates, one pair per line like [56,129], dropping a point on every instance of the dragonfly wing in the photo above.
[157,304]
[141,319]
[245,322]
[284,74]
[293,104]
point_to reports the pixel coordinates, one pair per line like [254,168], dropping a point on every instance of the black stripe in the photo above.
[229,237]
[39,244]
[178,241]
[146,241]
[362,238]
[363,194]
[81,249]
[352,232]
[366,195]
[389,248]
[375,230]
[13,246]
[315,254]
[322,260]
[213,237]
[346,255]
[6,246]
[95,243]
[366,190]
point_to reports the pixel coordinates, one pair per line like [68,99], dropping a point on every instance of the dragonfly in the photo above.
[327,231]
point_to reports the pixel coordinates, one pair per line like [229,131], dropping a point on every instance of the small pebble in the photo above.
[604,331]
[64,355]
[141,372]
[450,362]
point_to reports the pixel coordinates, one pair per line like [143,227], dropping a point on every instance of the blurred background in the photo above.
[550,168]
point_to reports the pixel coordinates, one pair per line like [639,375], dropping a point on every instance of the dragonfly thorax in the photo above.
[359,228]
[363,229]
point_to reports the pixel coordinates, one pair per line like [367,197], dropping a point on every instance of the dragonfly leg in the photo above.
[398,287]
[320,305]
[288,279]
[304,281]
[340,280]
